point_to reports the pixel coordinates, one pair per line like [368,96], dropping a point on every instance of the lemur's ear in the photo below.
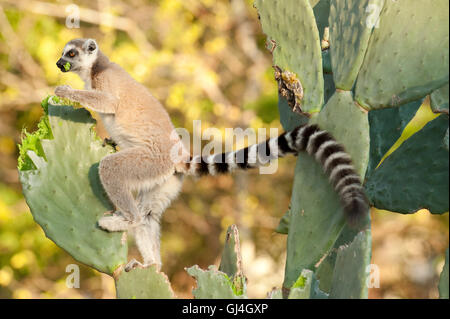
[90,45]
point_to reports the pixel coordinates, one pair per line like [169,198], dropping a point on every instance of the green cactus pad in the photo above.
[303,286]
[321,12]
[316,216]
[416,174]
[64,192]
[439,100]
[288,118]
[329,87]
[231,262]
[143,283]
[351,270]
[396,70]
[446,140]
[326,62]
[443,280]
[283,225]
[351,25]
[326,268]
[292,26]
[386,126]
[306,287]
[213,284]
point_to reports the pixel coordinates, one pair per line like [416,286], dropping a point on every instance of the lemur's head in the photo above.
[78,55]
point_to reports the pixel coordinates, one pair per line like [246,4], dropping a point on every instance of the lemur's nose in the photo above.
[60,64]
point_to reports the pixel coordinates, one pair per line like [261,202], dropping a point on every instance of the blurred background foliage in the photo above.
[205,60]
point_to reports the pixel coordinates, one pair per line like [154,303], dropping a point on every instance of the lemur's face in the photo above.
[78,55]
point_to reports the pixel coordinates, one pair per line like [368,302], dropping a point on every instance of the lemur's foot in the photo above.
[133,263]
[114,221]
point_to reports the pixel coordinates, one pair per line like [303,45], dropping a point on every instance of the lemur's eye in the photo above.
[71,54]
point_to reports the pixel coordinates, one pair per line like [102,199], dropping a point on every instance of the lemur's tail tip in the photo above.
[356,210]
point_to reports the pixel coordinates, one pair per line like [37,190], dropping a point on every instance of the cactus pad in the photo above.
[351,270]
[291,25]
[416,174]
[231,262]
[439,100]
[64,192]
[316,216]
[386,126]
[321,12]
[395,69]
[143,283]
[213,284]
[351,25]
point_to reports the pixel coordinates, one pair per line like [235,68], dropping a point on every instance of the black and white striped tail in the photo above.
[320,144]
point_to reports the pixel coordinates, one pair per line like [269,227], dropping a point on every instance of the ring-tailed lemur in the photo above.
[142,129]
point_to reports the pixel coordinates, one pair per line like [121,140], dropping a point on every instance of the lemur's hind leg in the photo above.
[153,204]
[123,172]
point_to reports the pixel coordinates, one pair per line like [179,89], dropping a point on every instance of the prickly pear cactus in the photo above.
[354,68]
[63,190]
[143,283]
[374,81]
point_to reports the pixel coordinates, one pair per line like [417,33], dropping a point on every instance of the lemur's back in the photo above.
[140,118]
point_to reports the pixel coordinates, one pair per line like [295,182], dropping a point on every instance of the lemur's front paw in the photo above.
[63,91]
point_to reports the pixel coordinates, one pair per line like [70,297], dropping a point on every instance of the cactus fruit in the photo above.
[64,192]
[143,283]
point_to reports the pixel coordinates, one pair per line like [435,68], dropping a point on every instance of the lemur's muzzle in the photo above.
[63,65]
